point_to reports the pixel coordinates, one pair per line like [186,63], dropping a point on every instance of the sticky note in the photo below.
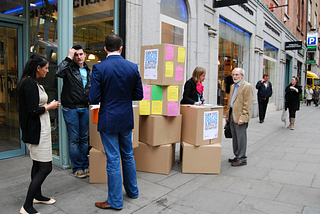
[169,69]
[146,92]
[179,73]
[181,54]
[156,92]
[169,52]
[173,93]
[144,107]
[156,107]
[172,108]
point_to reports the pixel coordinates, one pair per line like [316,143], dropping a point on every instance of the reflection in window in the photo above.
[171,34]
[175,9]
[12,8]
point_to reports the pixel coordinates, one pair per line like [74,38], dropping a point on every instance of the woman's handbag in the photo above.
[284,116]
[227,130]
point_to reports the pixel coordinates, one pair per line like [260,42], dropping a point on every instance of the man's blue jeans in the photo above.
[118,145]
[77,121]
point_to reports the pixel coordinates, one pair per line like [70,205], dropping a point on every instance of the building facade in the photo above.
[219,39]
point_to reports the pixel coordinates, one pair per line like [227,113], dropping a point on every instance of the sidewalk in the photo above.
[282,176]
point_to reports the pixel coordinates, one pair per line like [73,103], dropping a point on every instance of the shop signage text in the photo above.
[297,45]
[246,8]
[223,3]
[78,3]
[272,28]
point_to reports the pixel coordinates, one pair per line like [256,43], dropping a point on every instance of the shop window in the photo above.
[234,46]
[12,8]
[269,66]
[173,22]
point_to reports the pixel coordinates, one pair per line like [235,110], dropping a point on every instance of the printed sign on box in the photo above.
[210,126]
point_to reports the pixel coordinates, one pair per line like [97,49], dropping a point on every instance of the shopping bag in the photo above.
[284,116]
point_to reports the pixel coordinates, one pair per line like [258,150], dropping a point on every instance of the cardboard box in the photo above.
[201,125]
[160,100]
[159,130]
[97,167]
[94,135]
[155,159]
[162,64]
[201,159]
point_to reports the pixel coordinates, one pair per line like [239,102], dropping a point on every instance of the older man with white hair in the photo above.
[238,114]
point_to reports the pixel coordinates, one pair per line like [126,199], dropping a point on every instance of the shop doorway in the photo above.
[10,70]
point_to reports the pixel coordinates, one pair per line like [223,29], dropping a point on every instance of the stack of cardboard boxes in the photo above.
[200,138]
[162,70]
[97,156]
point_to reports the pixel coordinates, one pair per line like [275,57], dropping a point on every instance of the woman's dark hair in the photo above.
[30,69]
[113,42]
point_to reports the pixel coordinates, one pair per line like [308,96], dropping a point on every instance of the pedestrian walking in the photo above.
[264,92]
[316,95]
[309,94]
[292,99]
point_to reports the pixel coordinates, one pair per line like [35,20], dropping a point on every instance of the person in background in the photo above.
[35,125]
[238,114]
[264,92]
[309,94]
[292,99]
[193,88]
[75,101]
[116,82]
[316,95]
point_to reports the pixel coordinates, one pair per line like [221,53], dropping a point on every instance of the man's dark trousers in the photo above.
[262,103]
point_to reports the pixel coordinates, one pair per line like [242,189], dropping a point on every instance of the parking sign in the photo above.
[312,39]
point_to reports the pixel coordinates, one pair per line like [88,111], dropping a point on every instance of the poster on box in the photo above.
[210,126]
[151,59]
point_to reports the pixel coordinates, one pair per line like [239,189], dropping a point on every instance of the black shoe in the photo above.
[261,121]
[232,160]
[239,163]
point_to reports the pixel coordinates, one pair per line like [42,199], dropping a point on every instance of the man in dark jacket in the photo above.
[264,92]
[74,98]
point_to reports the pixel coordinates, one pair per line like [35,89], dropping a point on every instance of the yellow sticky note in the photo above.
[172,93]
[144,107]
[156,107]
[169,69]
[181,54]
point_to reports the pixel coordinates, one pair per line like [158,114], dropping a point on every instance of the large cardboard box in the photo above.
[160,130]
[201,125]
[201,159]
[162,64]
[94,135]
[97,167]
[160,100]
[155,159]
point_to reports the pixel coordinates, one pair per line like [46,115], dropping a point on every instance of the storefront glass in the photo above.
[234,45]
[92,22]
[269,66]
[9,116]
[12,8]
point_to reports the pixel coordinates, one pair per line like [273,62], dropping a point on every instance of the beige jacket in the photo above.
[242,103]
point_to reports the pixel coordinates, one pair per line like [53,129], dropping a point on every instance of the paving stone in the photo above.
[290,177]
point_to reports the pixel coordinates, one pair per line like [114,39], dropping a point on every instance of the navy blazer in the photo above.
[263,92]
[115,82]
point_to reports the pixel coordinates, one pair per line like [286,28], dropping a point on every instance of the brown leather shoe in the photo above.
[232,160]
[105,205]
[238,163]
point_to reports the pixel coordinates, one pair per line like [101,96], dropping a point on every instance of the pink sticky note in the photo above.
[169,52]
[173,108]
[179,73]
[146,92]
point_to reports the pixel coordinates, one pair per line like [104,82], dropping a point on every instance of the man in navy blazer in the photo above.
[115,83]
[264,92]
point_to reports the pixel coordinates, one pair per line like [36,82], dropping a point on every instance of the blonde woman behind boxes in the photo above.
[193,88]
